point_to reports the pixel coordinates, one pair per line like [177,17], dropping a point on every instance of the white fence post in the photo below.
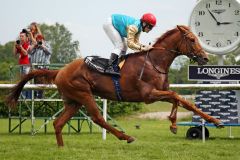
[105,118]
[203,131]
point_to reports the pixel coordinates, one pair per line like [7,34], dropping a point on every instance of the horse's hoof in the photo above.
[173,130]
[219,125]
[130,140]
[60,146]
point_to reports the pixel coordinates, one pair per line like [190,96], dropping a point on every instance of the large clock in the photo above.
[217,25]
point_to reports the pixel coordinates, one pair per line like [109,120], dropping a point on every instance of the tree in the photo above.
[178,72]
[7,60]
[64,49]
[4,71]
[231,58]
[6,53]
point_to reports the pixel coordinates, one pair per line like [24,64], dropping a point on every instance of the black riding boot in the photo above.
[113,61]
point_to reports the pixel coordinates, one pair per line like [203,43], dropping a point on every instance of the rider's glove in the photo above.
[146,48]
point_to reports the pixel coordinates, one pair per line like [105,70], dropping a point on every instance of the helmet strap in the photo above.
[144,25]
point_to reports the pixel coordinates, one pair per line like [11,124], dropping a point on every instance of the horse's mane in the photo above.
[165,35]
[168,33]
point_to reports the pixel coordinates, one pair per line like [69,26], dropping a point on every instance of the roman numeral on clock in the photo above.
[201,13]
[208,5]
[200,34]
[208,42]
[197,24]
[236,34]
[218,44]
[218,2]
[229,42]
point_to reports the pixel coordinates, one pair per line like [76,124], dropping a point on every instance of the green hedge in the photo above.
[123,108]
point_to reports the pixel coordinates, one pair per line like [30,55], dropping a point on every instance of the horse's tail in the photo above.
[47,75]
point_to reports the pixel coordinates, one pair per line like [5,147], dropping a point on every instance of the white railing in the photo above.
[206,86]
[30,86]
[172,86]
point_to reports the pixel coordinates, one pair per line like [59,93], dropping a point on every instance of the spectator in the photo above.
[21,48]
[34,31]
[40,54]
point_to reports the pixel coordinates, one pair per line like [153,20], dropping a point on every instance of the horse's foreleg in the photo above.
[173,116]
[59,123]
[185,104]
[97,118]
[160,95]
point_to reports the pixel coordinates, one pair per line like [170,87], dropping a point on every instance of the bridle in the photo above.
[190,51]
[193,58]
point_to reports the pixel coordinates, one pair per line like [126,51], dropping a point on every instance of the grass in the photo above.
[157,107]
[154,142]
[160,107]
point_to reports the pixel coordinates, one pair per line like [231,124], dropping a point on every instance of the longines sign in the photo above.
[222,73]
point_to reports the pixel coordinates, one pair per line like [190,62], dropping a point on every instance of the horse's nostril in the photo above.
[206,59]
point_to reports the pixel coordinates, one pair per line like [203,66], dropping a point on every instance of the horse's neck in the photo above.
[164,59]
[164,55]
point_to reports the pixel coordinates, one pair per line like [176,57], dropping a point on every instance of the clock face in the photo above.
[217,25]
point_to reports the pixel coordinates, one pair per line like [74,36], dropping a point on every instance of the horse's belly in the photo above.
[111,95]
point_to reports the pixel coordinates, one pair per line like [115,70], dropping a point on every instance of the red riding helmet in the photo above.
[149,18]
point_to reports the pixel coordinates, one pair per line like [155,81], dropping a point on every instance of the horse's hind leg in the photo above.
[97,118]
[65,116]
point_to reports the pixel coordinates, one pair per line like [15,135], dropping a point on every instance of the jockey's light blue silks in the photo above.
[121,22]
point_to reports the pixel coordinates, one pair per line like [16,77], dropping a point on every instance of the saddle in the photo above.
[100,64]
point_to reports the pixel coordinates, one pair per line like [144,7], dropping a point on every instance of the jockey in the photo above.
[124,32]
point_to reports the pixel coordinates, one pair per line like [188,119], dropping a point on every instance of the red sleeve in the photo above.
[25,46]
[18,50]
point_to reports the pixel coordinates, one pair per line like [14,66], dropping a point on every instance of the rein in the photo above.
[145,59]
[160,72]
[142,70]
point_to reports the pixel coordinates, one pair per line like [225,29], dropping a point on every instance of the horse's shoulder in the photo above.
[74,64]
[77,61]
[135,54]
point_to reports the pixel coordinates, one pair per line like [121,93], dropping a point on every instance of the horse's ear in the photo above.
[181,29]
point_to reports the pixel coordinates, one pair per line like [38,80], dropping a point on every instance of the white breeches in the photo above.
[120,44]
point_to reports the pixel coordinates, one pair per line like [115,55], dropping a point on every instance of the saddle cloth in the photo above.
[99,64]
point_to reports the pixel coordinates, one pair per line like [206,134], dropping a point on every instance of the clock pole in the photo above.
[220,60]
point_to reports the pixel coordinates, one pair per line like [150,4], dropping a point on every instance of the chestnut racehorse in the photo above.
[144,78]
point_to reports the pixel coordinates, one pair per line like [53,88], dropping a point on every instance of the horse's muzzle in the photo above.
[202,61]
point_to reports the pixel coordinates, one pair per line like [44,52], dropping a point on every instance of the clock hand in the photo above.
[218,23]
[226,22]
